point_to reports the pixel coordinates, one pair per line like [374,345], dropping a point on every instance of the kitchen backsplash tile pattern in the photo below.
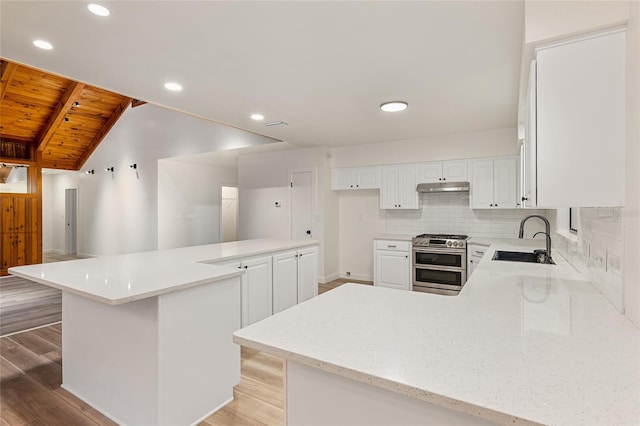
[450,213]
[598,253]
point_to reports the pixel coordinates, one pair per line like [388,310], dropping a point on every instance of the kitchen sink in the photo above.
[521,256]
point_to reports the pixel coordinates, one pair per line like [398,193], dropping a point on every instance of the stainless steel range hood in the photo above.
[443,187]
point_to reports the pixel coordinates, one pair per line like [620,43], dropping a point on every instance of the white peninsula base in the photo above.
[163,360]
[315,397]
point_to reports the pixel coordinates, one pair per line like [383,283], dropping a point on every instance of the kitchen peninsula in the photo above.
[147,337]
[521,344]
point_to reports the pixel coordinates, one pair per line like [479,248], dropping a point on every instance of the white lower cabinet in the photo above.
[274,283]
[256,293]
[392,264]
[295,278]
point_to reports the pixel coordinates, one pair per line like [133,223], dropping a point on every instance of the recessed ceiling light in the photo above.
[42,44]
[394,106]
[257,117]
[174,87]
[96,9]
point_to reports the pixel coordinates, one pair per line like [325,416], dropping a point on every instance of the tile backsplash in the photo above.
[450,213]
[598,253]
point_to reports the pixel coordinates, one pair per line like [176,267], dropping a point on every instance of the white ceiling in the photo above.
[323,67]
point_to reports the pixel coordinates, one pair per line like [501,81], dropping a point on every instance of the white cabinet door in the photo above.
[455,171]
[368,178]
[392,269]
[505,183]
[581,122]
[482,184]
[429,172]
[307,274]
[389,188]
[407,194]
[256,290]
[343,178]
[285,281]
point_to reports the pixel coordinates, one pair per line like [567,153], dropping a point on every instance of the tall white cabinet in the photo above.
[494,183]
[580,122]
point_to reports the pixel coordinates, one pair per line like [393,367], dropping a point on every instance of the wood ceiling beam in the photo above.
[120,109]
[62,108]
[8,70]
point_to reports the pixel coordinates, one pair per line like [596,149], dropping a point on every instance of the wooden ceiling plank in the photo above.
[64,105]
[103,132]
[7,74]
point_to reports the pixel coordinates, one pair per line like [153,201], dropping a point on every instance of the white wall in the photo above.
[189,203]
[119,214]
[546,20]
[359,214]
[264,179]
[631,213]
[488,143]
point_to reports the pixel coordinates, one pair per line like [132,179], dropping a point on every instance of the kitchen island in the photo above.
[147,337]
[521,344]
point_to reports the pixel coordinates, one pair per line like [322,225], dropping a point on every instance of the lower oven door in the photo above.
[428,278]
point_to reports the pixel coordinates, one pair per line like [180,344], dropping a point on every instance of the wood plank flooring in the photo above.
[31,374]
[25,304]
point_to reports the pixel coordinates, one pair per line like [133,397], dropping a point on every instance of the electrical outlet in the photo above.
[348,274]
[613,264]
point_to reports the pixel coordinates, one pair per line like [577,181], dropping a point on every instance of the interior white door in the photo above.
[302,186]
[285,281]
[71,220]
[228,213]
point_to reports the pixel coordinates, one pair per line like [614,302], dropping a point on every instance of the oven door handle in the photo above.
[439,250]
[440,268]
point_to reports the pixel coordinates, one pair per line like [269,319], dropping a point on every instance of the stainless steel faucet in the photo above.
[547,232]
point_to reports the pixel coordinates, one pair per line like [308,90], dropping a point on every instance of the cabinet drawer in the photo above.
[393,245]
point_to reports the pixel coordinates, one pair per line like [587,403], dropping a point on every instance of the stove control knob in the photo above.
[455,244]
[449,243]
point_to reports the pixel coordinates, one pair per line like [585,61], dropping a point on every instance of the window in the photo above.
[573,219]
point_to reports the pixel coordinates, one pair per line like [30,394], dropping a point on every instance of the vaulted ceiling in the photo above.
[62,119]
[324,67]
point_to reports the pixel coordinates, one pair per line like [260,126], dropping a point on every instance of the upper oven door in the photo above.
[433,256]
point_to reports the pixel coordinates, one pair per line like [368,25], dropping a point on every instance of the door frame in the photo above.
[314,196]
[232,185]
[75,214]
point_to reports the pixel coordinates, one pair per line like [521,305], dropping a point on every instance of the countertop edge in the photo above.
[387,384]
[257,253]
[119,301]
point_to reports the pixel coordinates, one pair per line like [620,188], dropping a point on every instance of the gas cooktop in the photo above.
[440,240]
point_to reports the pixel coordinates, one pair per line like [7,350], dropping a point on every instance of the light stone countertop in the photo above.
[124,278]
[522,343]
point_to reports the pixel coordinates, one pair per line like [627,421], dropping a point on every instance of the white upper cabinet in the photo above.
[448,171]
[580,122]
[494,183]
[355,178]
[529,157]
[398,187]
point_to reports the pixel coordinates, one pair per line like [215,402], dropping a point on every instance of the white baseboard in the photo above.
[357,277]
[53,251]
[328,278]
[85,255]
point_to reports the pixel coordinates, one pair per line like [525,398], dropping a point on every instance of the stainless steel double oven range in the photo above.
[439,263]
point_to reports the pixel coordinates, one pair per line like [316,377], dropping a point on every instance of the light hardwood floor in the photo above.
[31,373]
